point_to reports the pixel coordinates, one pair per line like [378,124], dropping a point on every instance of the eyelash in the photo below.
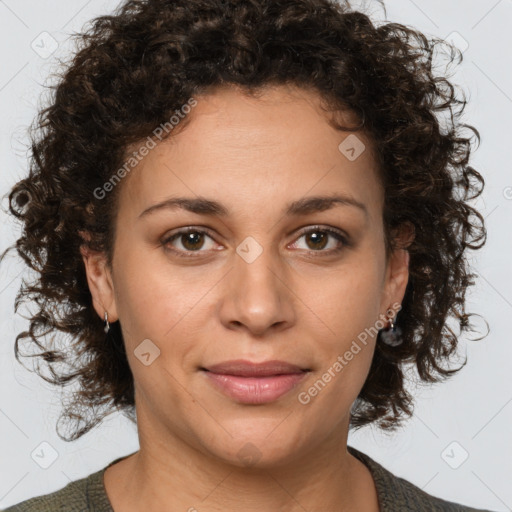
[189,254]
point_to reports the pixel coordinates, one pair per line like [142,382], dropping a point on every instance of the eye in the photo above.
[190,239]
[317,238]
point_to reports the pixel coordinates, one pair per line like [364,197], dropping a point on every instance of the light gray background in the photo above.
[473,409]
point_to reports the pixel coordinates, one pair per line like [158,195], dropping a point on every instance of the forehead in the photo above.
[263,148]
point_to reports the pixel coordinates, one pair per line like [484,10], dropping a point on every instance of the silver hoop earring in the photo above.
[107,325]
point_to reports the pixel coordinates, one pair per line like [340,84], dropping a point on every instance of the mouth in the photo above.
[254,383]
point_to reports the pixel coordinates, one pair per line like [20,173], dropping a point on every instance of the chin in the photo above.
[257,450]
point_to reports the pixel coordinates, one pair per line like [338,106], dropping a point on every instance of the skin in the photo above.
[294,302]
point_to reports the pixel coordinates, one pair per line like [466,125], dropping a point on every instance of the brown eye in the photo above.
[188,241]
[317,239]
[192,240]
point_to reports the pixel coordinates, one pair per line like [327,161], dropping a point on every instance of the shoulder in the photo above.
[399,495]
[81,495]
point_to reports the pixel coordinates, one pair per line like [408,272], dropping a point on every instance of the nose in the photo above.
[258,295]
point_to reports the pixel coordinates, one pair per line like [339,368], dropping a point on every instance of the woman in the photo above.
[246,341]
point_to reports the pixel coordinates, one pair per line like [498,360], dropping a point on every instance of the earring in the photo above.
[107,325]
[391,335]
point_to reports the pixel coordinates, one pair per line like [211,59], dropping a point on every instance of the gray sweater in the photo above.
[394,494]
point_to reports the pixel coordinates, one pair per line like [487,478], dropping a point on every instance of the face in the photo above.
[264,274]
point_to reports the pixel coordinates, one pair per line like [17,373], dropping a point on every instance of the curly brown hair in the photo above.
[131,70]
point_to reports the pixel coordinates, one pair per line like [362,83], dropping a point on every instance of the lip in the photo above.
[254,383]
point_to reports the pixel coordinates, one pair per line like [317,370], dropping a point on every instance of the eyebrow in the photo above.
[303,206]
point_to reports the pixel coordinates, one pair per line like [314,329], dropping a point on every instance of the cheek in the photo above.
[167,307]
[348,308]
[331,391]
[152,298]
[349,302]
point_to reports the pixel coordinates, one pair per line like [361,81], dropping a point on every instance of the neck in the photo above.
[175,475]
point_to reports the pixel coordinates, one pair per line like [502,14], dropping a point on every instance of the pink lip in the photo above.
[255,383]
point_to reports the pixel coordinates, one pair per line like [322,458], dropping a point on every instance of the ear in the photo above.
[397,271]
[100,282]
